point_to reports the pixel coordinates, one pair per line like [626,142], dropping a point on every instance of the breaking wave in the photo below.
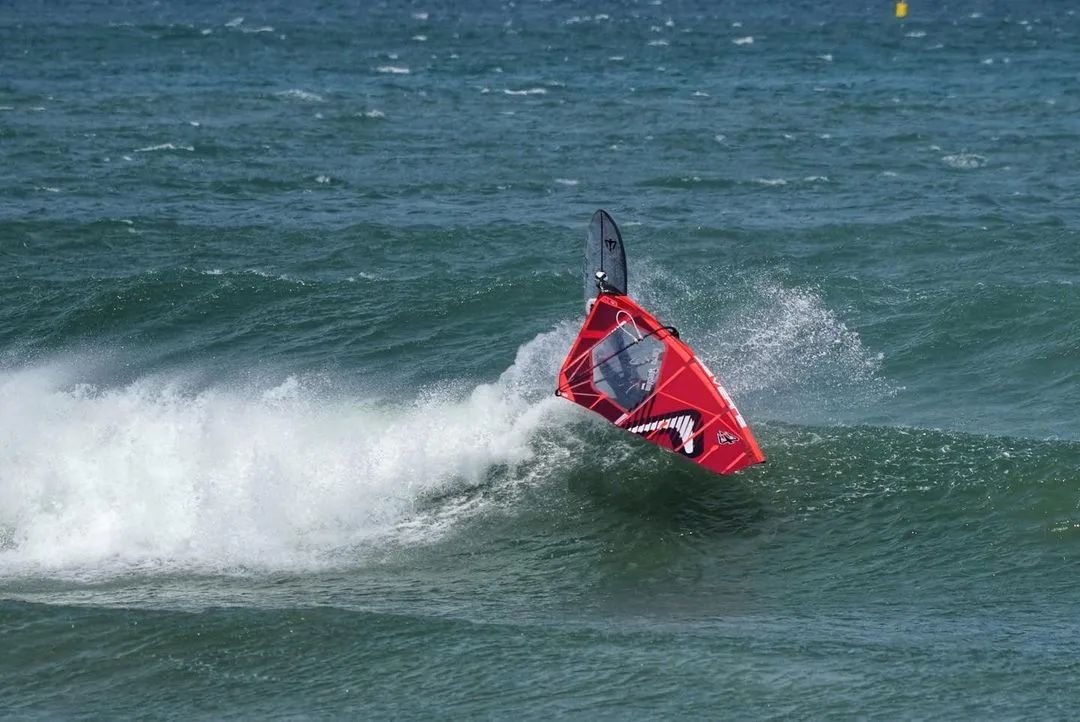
[162,474]
[157,474]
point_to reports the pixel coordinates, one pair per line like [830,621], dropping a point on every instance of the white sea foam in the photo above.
[299,94]
[158,475]
[164,146]
[527,91]
[964,161]
[566,181]
[659,43]
[746,40]
[771,181]
[280,277]
[393,69]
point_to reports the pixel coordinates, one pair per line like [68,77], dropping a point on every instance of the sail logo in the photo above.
[724,437]
[681,427]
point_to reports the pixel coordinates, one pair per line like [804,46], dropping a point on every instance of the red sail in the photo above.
[636,373]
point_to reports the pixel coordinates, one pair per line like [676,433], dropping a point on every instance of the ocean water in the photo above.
[284,294]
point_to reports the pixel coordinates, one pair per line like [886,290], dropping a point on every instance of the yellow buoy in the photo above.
[901,9]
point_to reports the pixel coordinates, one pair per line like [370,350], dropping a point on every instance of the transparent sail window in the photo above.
[625,368]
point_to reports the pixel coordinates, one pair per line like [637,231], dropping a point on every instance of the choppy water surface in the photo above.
[284,296]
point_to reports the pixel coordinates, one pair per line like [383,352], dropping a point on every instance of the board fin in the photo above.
[604,253]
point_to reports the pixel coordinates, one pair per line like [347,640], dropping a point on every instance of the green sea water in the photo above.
[285,290]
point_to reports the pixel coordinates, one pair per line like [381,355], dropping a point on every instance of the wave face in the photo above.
[283,296]
[172,471]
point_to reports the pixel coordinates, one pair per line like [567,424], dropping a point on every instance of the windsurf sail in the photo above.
[639,375]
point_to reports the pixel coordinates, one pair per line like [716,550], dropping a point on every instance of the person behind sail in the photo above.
[630,379]
[637,376]
[620,375]
[637,367]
